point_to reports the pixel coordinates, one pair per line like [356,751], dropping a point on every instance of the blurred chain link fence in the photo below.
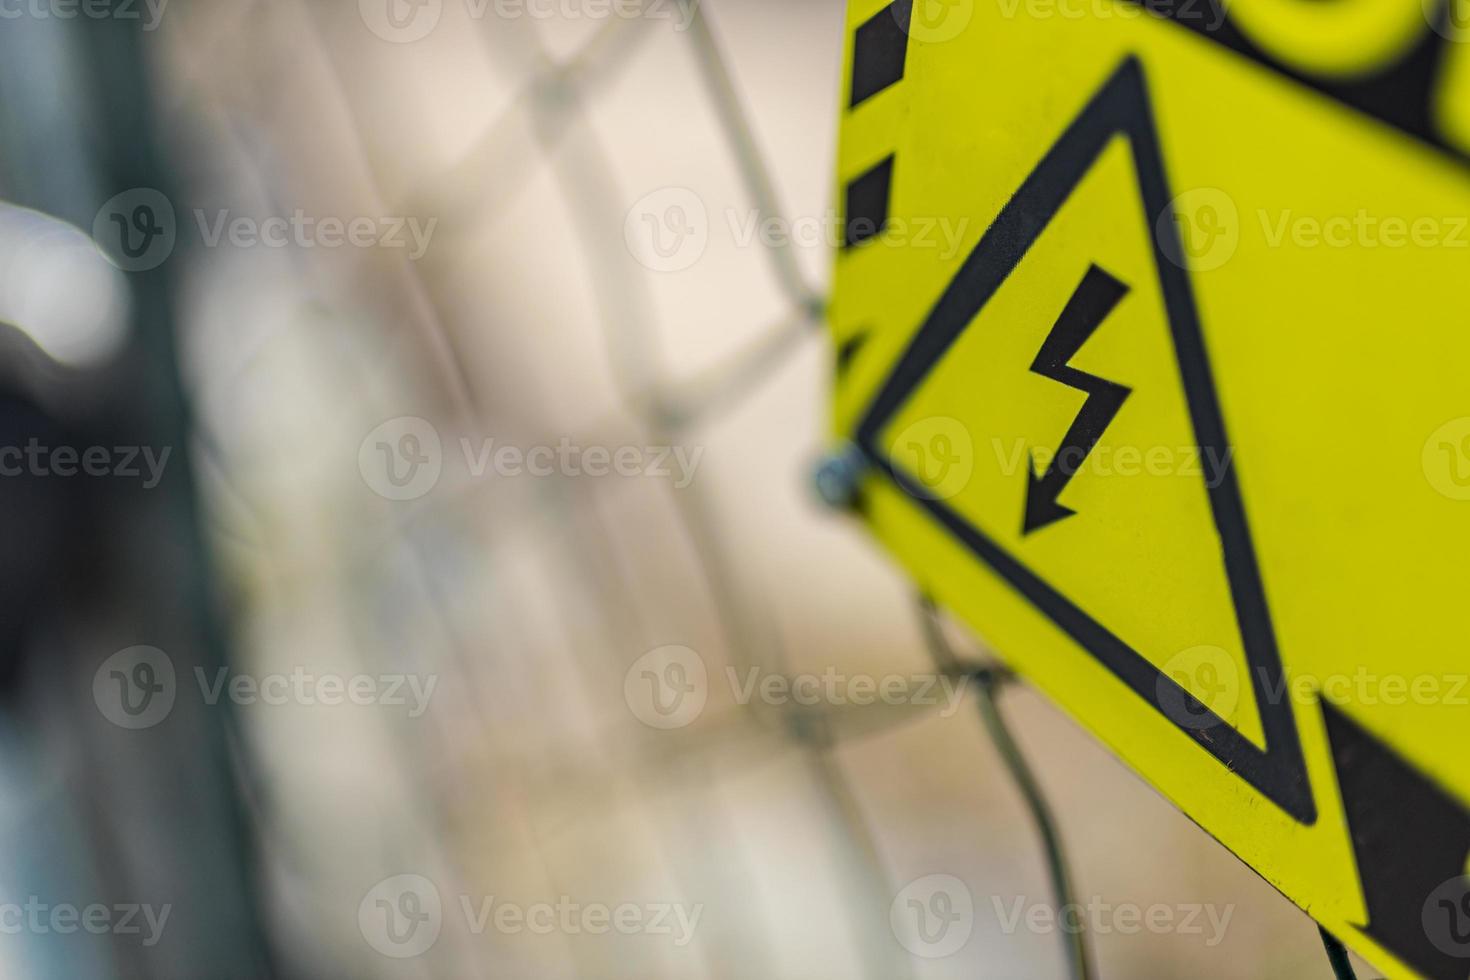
[505,370]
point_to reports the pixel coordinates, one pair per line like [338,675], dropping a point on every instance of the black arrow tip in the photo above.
[1042,506]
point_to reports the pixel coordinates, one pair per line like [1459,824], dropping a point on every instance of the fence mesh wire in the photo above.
[542,147]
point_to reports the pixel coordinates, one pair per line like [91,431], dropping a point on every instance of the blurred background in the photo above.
[412,566]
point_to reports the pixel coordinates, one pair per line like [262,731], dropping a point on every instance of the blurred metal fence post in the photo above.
[181,834]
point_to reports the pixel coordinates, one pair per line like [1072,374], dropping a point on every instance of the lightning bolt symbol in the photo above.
[1089,306]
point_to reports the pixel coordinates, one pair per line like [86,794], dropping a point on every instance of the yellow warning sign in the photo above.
[1150,332]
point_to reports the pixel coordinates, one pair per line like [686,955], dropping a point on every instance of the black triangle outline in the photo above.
[1120,106]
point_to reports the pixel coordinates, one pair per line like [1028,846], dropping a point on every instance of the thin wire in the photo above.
[624,311]
[988,681]
[1337,955]
[735,123]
